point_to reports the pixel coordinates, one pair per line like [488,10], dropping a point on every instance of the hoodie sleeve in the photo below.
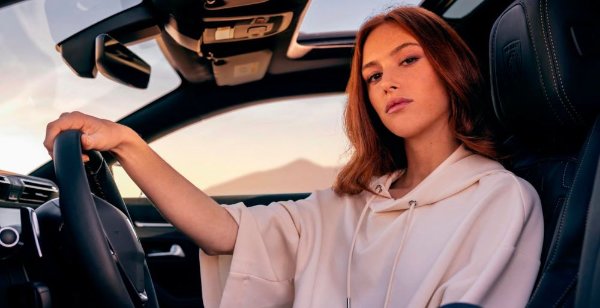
[261,270]
[500,273]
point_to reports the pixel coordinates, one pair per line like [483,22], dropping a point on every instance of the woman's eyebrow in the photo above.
[393,52]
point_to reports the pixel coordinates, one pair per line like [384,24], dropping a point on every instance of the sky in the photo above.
[36,87]
[256,138]
[326,15]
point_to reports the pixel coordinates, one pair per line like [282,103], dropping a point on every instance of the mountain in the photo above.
[298,176]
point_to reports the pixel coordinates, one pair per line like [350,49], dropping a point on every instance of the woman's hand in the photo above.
[97,134]
[182,203]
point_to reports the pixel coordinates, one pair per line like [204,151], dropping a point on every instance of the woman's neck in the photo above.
[423,155]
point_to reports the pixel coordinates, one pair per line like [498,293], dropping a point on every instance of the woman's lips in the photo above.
[397,105]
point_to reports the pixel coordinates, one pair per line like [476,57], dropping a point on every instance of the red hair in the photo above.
[376,150]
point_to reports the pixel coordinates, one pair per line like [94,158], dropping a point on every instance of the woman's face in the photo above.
[403,87]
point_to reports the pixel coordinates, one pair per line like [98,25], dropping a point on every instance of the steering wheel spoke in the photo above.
[102,234]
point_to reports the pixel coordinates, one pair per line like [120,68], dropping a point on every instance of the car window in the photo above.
[288,146]
[36,86]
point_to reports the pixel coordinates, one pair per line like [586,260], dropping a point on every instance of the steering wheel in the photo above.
[102,235]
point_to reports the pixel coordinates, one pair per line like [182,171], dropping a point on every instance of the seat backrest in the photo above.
[544,63]
[589,267]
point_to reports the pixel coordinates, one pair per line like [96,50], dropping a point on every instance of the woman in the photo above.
[421,216]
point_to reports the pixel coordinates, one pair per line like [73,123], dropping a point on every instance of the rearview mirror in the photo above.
[115,61]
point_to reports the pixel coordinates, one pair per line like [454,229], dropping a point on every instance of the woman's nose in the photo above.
[388,84]
[389,87]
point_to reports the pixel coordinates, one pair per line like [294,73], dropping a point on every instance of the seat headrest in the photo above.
[545,67]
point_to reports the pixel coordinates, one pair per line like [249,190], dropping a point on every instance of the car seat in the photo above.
[544,64]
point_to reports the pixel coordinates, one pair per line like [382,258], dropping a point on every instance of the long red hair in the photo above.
[376,150]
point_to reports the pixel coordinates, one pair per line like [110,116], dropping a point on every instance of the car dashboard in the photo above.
[20,238]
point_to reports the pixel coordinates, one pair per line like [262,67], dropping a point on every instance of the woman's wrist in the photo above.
[130,141]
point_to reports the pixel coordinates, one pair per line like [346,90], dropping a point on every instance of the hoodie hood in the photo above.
[460,170]
[449,178]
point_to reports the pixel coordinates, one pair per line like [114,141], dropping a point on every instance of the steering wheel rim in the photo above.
[87,233]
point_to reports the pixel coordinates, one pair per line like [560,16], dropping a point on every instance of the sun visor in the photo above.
[243,68]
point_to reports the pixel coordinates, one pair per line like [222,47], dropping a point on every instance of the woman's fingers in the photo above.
[87,142]
[92,130]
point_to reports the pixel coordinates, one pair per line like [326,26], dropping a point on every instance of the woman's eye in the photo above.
[409,60]
[373,77]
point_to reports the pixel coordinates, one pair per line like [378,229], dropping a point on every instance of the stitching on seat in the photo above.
[550,257]
[577,174]
[559,230]
[554,58]
[564,176]
[587,212]
[550,56]
[558,203]
[537,62]
[493,60]
[544,36]
[567,289]
[552,254]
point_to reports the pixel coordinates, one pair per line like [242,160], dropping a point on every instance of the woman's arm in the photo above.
[502,256]
[183,204]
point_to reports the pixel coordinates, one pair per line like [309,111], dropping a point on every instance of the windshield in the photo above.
[36,86]
[325,16]
[82,14]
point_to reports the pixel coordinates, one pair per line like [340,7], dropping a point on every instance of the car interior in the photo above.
[66,233]
[536,68]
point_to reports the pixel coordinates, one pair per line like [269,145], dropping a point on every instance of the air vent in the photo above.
[4,187]
[37,191]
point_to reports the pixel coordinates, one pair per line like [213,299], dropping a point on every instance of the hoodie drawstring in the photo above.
[407,225]
[406,228]
[348,270]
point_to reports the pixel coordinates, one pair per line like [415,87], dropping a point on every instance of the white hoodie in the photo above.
[470,232]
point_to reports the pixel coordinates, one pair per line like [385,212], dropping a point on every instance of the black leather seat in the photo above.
[545,75]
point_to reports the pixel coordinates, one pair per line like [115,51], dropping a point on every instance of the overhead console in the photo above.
[211,30]
[232,29]
[233,39]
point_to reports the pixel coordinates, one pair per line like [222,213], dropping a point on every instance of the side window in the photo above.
[295,145]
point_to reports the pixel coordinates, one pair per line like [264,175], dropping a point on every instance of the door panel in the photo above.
[172,257]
